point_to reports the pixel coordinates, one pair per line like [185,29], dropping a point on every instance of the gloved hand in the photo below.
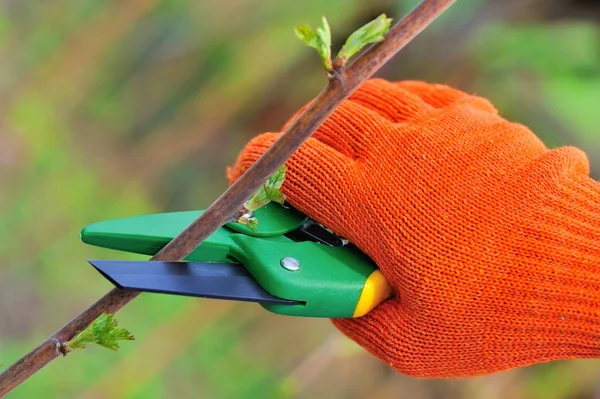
[491,240]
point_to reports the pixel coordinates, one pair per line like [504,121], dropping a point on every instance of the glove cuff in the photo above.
[563,235]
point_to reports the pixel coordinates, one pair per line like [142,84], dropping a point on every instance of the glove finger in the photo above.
[381,333]
[314,180]
[383,98]
[390,101]
[408,342]
[352,129]
[442,96]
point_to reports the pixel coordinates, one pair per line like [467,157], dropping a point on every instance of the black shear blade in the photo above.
[230,281]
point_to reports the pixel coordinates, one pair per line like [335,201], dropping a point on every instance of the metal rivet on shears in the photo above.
[291,264]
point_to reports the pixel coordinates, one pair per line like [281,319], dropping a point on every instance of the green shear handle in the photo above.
[324,280]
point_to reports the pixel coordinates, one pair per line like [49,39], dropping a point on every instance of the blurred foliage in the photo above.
[113,109]
[556,68]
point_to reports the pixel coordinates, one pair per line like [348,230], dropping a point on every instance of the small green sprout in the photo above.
[320,39]
[269,192]
[103,331]
[372,32]
[249,221]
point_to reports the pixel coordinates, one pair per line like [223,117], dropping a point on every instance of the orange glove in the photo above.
[491,240]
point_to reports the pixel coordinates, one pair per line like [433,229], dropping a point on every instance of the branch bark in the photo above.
[342,83]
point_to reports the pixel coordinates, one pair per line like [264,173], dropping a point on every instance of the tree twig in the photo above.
[342,83]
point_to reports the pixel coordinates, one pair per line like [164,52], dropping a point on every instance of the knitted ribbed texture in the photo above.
[491,240]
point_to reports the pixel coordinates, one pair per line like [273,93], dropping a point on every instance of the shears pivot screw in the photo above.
[291,264]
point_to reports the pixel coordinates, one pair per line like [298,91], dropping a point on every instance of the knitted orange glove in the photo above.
[491,240]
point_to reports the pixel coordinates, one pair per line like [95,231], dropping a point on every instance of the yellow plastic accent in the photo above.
[376,290]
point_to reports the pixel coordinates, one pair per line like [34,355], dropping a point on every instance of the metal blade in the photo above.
[230,281]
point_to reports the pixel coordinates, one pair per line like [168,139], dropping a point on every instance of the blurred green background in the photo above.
[116,108]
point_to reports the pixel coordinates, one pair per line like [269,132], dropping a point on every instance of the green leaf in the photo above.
[250,222]
[270,191]
[319,40]
[372,32]
[307,35]
[103,331]
[274,194]
[324,42]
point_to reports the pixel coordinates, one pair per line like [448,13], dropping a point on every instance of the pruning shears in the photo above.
[290,265]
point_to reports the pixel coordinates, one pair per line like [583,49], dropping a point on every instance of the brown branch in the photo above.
[342,83]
